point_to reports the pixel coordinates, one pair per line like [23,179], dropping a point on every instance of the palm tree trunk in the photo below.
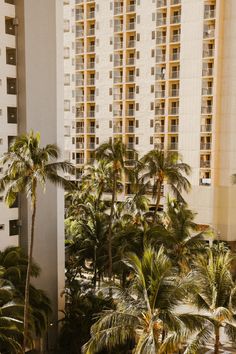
[29,266]
[158,197]
[109,236]
[217,339]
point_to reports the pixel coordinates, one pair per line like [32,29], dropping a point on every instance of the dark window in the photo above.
[10,140]
[9,26]
[12,115]
[10,2]
[16,203]
[13,228]
[11,56]
[11,86]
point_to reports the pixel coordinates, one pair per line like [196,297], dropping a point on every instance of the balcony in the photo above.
[130,129]
[175,2]
[79,49]
[80,114]
[159,129]
[79,16]
[118,28]
[175,56]
[160,94]
[80,33]
[91,98]
[118,45]
[131,8]
[79,66]
[175,19]
[174,74]
[173,128]
[91,49]
[161,3]
[117,97]
[161,40]
[91,65]
[130,26]
[79,146]
[161,58]
[118,79]
[80,130]
[209,14]
[130,112]
[207,72]
[118,62]
[175,38]
[207,53]
[130,146]
[91,146]
[130,61]
[91,81]
[131,44]
[79,98]
[80,161]
[174,111]
[174,93]
[79,82]
[205,181]
[208,33]
[161,21]
[91,130]
[205,146]
[206,128]
[207,109]
[91,15]
[205,164]
[91,114]
[130,95]
[207,91]
[117,113]
[159,146]
[117,130]
[173,146]
[160,111]
[130,78]
[118,10]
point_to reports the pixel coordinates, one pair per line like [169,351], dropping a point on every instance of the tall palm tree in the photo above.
[146,312]
[216,293]
[28,166]
[164,167]
[179,234]
[114,154]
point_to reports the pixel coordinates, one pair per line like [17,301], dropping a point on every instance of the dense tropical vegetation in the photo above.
[140,278]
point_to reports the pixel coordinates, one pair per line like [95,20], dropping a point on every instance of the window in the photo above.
[11,86]
[11,115]
[9,26]
[2,227]
[151,140]
[151,123]
[137,123]
[97,140]
[10,140]
[67,79]
[137,140]
[1,141]
[11,56]
[13,228]
[10,2]
[66,25]
[1,198]
[66,105]
[67,53]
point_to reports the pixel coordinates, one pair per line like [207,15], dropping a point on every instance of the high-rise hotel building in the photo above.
[160,74]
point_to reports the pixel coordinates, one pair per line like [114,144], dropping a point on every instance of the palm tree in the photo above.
[164,167]
[179,234]
[28,166]
[216,293]
[146,312]
[114,154]
[11,324]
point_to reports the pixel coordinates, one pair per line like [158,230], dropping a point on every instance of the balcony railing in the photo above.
[80,130]
[208,33]
[80,161]
[161,21]
[207,109]
[161,40]
[80,33]
[160,111]
[175,19]
[91,48]
[118,45]
[79,16]
[131,26]
[173,128]
[79,49]
[159,146]
[205,181]
[91,114]
[79,66]
[160,94]
[118,10]
[130,78]
[79,146]
[91,98]
[130,95]
[118,28]
[161,3]
[118,62]
[205,164]
[80,98]
[117,113]
[91,130]
[130,61]
[91,81]
[173,146]
[174,74]
[117,96]
[130,146]
[131,8]
[130,129]
[174,56]
[161,58]
[207,91]
[131,44]
[80,114]
[175,2]
[207,72]
[130,112]
[205,128]
[175,38]
[205,146]
[117,130]
[79,82]
[91,15]
[209,14]
[174,110]
[174,93]
[91,146]
[91,65]
[159,129]
[207,53]
[118,79]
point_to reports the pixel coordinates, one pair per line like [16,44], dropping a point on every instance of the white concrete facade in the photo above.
[163,78]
